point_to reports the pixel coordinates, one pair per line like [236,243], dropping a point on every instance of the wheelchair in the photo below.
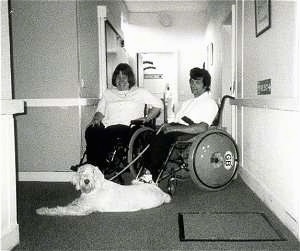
[210,159]
[122,157]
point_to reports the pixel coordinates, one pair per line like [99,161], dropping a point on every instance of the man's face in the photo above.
[122,82]
[197,86]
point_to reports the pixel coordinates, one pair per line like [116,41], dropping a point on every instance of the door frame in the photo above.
[8,108]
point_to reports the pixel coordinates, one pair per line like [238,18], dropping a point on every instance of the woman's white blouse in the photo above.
[120,107]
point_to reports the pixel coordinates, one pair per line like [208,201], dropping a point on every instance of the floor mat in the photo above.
[233,226]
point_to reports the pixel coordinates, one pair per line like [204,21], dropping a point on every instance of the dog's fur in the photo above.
[101,195]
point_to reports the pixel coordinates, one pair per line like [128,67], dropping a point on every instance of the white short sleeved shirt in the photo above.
[120,107]
[200,109]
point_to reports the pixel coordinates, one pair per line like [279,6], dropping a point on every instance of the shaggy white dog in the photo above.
[101,195]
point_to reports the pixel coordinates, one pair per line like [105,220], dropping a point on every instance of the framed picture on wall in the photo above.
[262,16]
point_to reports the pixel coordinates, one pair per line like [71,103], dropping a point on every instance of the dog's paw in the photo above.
[136,182]
[41,211]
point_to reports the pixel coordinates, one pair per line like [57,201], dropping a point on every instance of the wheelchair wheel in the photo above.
[139,140]
[213,160]
[116,159]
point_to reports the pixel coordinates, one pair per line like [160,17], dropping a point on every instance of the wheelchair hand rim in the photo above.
[192,165]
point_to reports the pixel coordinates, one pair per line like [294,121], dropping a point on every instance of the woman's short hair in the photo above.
[197,73]
[125,69]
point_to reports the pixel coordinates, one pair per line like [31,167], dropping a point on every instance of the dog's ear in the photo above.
[75,180]
[98,175]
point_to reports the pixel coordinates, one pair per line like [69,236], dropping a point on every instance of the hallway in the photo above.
[55,68]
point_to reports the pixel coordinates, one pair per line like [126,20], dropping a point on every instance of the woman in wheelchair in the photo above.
[111,122]
[193,117]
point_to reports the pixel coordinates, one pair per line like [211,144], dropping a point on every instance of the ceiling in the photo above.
[166,5]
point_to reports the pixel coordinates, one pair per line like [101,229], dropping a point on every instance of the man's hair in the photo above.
[126,70]
[197,73]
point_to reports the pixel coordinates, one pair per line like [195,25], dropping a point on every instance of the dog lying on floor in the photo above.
[101,195]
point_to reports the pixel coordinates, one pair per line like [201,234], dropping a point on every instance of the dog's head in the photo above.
[87,178]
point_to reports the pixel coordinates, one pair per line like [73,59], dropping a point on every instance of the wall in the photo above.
[56,71]
[272,59]
[270,166]
[45,74]
[144,33]
[44,49]
[88,48]
[268,127]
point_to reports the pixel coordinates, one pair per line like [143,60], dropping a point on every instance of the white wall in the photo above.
[144,33]
[271,136]
[272,54]
[268,133]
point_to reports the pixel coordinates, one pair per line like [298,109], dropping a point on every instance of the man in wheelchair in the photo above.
[194,116]
[110,125]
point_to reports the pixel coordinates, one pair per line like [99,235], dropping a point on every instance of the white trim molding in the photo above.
[283,104]
[60,102]
[46,176]
[11,106]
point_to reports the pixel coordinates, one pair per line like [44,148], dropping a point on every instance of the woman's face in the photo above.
[122,82]
[197,87]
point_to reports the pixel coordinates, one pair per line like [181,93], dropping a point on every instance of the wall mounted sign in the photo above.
[153,76]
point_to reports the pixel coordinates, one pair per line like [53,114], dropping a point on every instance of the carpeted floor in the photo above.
[154,229]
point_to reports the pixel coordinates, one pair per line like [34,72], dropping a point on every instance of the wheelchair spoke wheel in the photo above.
[138,142]
[116,160]
[213,160]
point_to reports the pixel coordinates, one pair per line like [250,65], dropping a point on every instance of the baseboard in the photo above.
[10,239]
[46,176]
[270,200]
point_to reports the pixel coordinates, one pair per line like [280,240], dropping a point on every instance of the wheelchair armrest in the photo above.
[137,122]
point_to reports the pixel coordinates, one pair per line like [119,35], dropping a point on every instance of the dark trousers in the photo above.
[101,140]
[159,150]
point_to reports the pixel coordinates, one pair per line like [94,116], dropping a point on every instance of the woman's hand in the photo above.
[97,119]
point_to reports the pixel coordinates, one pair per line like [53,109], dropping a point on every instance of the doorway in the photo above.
[158,73]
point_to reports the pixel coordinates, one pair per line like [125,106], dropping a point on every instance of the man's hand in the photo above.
[167,128]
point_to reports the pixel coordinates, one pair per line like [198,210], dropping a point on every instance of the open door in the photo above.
[157,71]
